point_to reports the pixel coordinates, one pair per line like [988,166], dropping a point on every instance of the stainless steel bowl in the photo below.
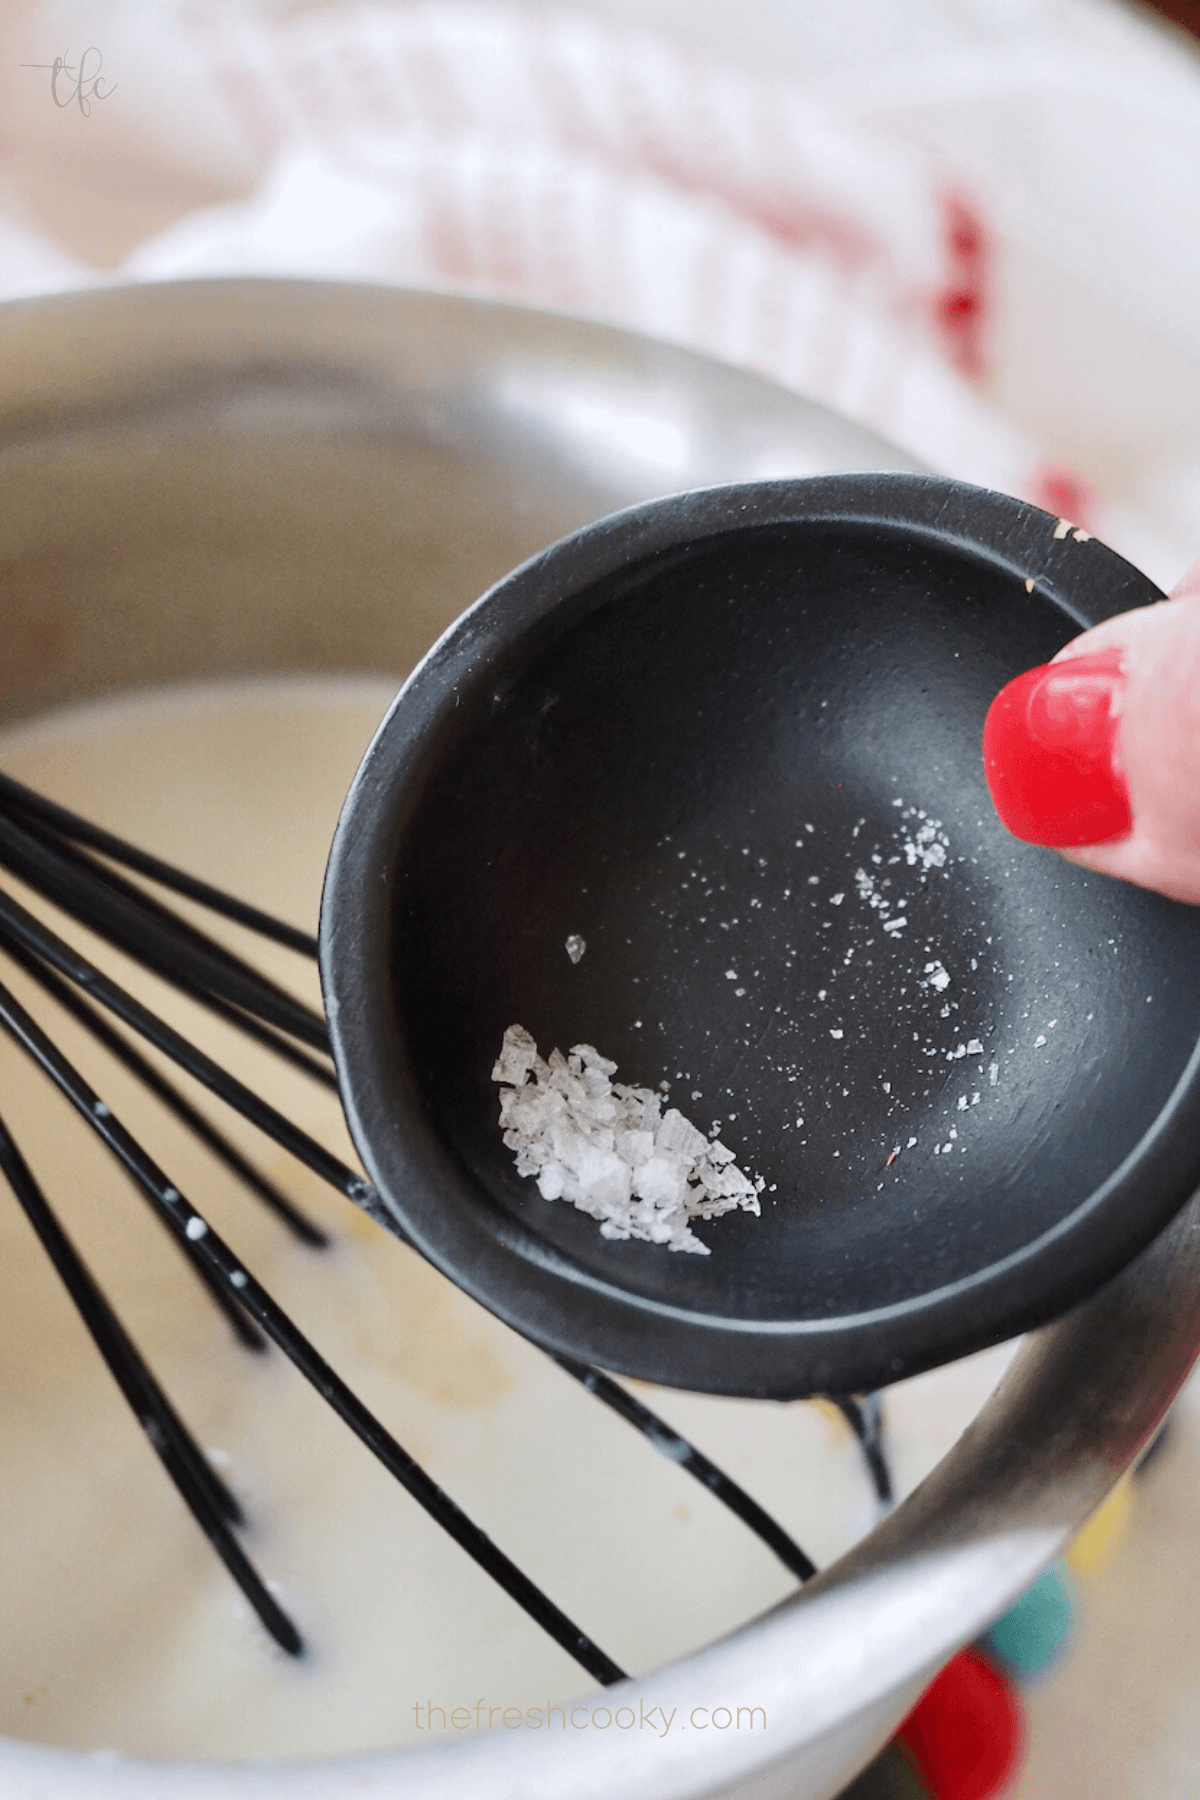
[305,476]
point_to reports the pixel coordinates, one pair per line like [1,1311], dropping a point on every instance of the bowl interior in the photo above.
[744,767]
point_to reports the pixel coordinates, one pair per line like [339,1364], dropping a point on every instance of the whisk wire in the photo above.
[151,1078]
[16,1021]
[15,797]
[144,928]
[864,1415]
[208,1249]
[39,841]
[18,925]
[678,1450]
[207,1497]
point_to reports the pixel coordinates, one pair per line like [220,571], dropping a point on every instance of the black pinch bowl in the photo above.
[680,734]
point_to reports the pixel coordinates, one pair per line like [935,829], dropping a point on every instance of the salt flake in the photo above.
[611,1150]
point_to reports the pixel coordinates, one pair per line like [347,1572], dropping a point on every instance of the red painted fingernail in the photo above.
[1051,756]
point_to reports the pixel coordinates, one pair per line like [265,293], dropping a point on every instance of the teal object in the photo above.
[1035,1632]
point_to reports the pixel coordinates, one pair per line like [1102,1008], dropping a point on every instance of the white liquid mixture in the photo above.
[120,1627]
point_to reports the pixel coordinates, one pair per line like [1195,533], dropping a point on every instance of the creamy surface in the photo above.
[120,1627]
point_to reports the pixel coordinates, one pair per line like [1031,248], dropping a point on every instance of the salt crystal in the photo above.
[661,1181]
[679,1134]
[517,1056]
[611,1150]
[635,1147]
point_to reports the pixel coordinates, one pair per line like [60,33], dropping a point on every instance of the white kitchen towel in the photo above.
[847,237]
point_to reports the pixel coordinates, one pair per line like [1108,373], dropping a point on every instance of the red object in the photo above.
[1061,491]
[1051,755]
[963,304]
[1183,12]
[967,1731]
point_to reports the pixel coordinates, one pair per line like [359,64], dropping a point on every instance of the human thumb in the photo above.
[1097,753]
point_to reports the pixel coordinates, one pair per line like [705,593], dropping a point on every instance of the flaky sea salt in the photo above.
[924,842]
[615,1152]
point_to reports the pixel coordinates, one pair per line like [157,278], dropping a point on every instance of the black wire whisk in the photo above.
[97,880]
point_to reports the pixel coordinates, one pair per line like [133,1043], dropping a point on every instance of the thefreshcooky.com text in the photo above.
[428,1716]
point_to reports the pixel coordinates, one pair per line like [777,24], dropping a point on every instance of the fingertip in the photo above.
[1050,753]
